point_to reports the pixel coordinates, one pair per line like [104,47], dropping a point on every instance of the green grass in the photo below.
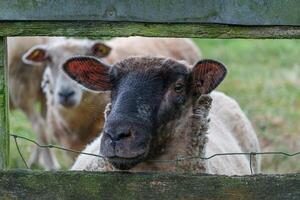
[19,125]
[264,77]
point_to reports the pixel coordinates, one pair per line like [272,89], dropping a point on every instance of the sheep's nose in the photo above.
[66,94]
[66,98]
[120,135]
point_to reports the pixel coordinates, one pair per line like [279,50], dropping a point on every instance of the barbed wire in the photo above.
[250,154]
[21,155]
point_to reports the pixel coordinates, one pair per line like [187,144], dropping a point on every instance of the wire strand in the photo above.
[176,161]
[51,146]
[21,155]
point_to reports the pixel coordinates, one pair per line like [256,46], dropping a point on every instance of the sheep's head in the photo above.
[66,94]
[146,93]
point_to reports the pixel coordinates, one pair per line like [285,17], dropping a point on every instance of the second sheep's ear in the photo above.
[89,72]
[35,55]
[100,49]
[206,76]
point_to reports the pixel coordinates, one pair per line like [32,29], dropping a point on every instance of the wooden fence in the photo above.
[173,18]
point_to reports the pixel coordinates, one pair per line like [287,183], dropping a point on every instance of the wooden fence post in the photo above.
[4,128]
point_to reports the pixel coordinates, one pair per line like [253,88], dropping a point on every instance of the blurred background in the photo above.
[264,77]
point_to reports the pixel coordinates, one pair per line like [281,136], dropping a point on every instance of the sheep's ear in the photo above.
[100,49]
[88,72]
[206,76]
[35,55]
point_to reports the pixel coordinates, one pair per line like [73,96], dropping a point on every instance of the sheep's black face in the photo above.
[141,101]
[146,94]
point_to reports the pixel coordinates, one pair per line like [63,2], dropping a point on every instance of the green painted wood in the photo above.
[92,185]
[243,12]
[98,29]
[4,138]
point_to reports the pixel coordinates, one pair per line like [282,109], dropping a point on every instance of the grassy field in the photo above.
[264,77]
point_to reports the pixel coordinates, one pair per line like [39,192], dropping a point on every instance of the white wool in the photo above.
[222,138]
[176,48]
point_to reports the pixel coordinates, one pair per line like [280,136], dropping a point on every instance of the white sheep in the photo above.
[167,122]
[25,90]
[70,110]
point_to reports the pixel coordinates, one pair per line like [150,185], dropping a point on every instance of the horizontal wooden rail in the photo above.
[239,12]
[96,185]
[98,29]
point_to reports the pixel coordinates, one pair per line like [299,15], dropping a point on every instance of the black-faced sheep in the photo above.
[75,116]
[160,111]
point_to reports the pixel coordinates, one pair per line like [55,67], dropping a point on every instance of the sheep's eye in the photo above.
[102,50]
[179,87]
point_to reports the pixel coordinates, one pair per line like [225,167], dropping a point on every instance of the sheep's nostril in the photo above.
[120,135]
[66,94]
[124,135]
[71,93]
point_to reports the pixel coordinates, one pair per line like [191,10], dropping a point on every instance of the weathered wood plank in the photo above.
[242,12]
[4,138]
[87,185]
[1,52]
[98,29]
